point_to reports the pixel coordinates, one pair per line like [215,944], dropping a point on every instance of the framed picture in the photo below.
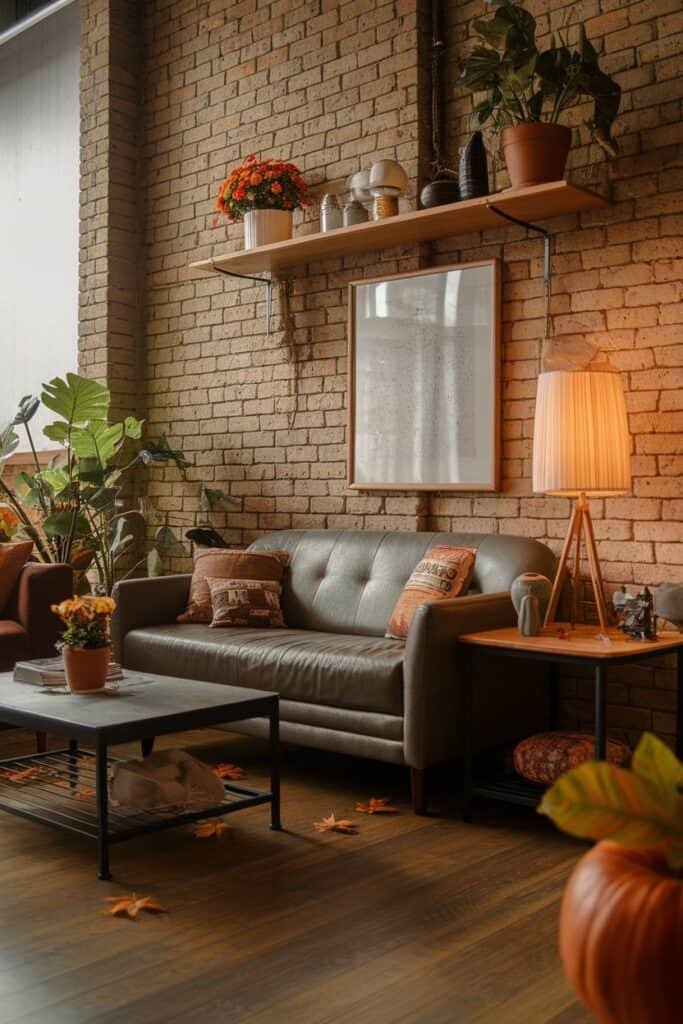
[424,373]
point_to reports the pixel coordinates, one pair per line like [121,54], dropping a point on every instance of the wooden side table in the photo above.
[580,646]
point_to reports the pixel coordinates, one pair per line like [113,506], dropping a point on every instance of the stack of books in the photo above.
[50,672]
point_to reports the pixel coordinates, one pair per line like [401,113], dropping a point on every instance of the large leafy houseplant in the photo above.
[621,923]
[73,509]
[525,85]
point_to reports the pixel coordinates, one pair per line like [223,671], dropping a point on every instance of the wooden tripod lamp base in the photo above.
[580,528]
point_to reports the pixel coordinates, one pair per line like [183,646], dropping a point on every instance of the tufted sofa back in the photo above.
[348,581]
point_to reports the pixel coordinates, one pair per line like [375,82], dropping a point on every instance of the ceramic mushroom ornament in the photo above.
[388,181]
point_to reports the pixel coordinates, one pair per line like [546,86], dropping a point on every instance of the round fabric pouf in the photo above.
[547,755]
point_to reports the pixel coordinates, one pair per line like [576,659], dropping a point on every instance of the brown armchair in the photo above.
[28,629]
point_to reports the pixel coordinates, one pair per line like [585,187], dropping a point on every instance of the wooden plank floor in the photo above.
[412,921]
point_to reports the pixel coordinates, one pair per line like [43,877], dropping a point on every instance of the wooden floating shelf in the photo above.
[534,203]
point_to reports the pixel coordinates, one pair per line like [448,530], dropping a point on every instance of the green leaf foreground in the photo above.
[642,807]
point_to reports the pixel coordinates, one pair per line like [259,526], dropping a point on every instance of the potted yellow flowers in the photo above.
[85,643]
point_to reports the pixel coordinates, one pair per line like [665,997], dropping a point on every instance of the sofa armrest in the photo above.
[431,698]
[152,601]
[39,586]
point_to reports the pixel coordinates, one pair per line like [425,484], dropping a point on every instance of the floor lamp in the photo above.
[581,449]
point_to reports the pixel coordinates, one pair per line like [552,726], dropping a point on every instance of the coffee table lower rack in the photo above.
[59,789]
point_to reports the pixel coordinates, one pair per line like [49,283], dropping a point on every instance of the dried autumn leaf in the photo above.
[21,775]
[131,905]
[332,824]
[377,805]
[229,771]
[209,829]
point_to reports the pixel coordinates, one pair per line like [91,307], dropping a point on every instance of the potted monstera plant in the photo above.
[621,922]
[527,90]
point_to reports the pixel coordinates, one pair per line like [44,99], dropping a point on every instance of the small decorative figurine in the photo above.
[635,614]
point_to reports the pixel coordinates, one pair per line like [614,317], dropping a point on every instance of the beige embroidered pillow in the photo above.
[245,602]
[443,572]
[220,563]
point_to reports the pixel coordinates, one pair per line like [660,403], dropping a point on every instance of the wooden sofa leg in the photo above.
[41,742]
[418,788]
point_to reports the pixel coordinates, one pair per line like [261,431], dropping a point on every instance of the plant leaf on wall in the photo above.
[161,452]
[215,500]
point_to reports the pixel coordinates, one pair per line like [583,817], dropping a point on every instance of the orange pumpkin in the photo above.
[621,935]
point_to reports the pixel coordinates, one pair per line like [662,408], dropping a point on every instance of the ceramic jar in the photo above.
[330,213]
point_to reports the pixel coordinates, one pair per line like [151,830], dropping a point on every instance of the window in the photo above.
[39,168]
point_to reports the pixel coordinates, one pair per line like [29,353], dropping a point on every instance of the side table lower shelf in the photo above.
[511,788]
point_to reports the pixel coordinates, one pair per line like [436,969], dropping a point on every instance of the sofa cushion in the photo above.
[14,644]
[245,603]
[348,581]
[220,563]
[443,572]
[344,671]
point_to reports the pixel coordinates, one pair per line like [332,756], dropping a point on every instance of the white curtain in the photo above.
[39,156]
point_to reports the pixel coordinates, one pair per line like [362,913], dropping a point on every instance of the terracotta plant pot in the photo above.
[535,152]
[86,669]
[621,935]
[262,227]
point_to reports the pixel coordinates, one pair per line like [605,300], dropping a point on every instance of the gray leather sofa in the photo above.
[343,686]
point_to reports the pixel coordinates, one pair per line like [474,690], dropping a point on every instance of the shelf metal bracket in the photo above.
[267,281]
[530,227]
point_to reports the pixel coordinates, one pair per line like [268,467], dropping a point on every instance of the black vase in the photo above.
[474,177]
[440,192]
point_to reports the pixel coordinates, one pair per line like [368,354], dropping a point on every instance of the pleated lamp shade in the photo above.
[581,437]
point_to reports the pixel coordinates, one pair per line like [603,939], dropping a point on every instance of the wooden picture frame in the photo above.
[424,380]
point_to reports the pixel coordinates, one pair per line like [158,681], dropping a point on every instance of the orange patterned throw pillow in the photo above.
[547,755]
[443,572]
[245,602]
[219,563]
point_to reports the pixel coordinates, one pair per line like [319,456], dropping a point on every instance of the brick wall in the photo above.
[111,337]
[331,86]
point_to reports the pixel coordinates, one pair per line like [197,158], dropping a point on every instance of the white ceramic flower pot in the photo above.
[261,227]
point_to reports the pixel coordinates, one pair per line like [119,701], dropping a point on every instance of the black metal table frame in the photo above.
[528,794]
[145,732]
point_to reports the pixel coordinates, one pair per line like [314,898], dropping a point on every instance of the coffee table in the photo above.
[68,788]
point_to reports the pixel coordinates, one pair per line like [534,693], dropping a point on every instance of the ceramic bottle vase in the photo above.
[530,594]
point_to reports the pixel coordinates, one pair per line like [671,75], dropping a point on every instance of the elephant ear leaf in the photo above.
[28,407]
[9,442]
[76,399]
[598,801]
[97,441]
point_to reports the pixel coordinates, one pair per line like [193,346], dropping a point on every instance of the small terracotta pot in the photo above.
[86,669]
[536,152]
